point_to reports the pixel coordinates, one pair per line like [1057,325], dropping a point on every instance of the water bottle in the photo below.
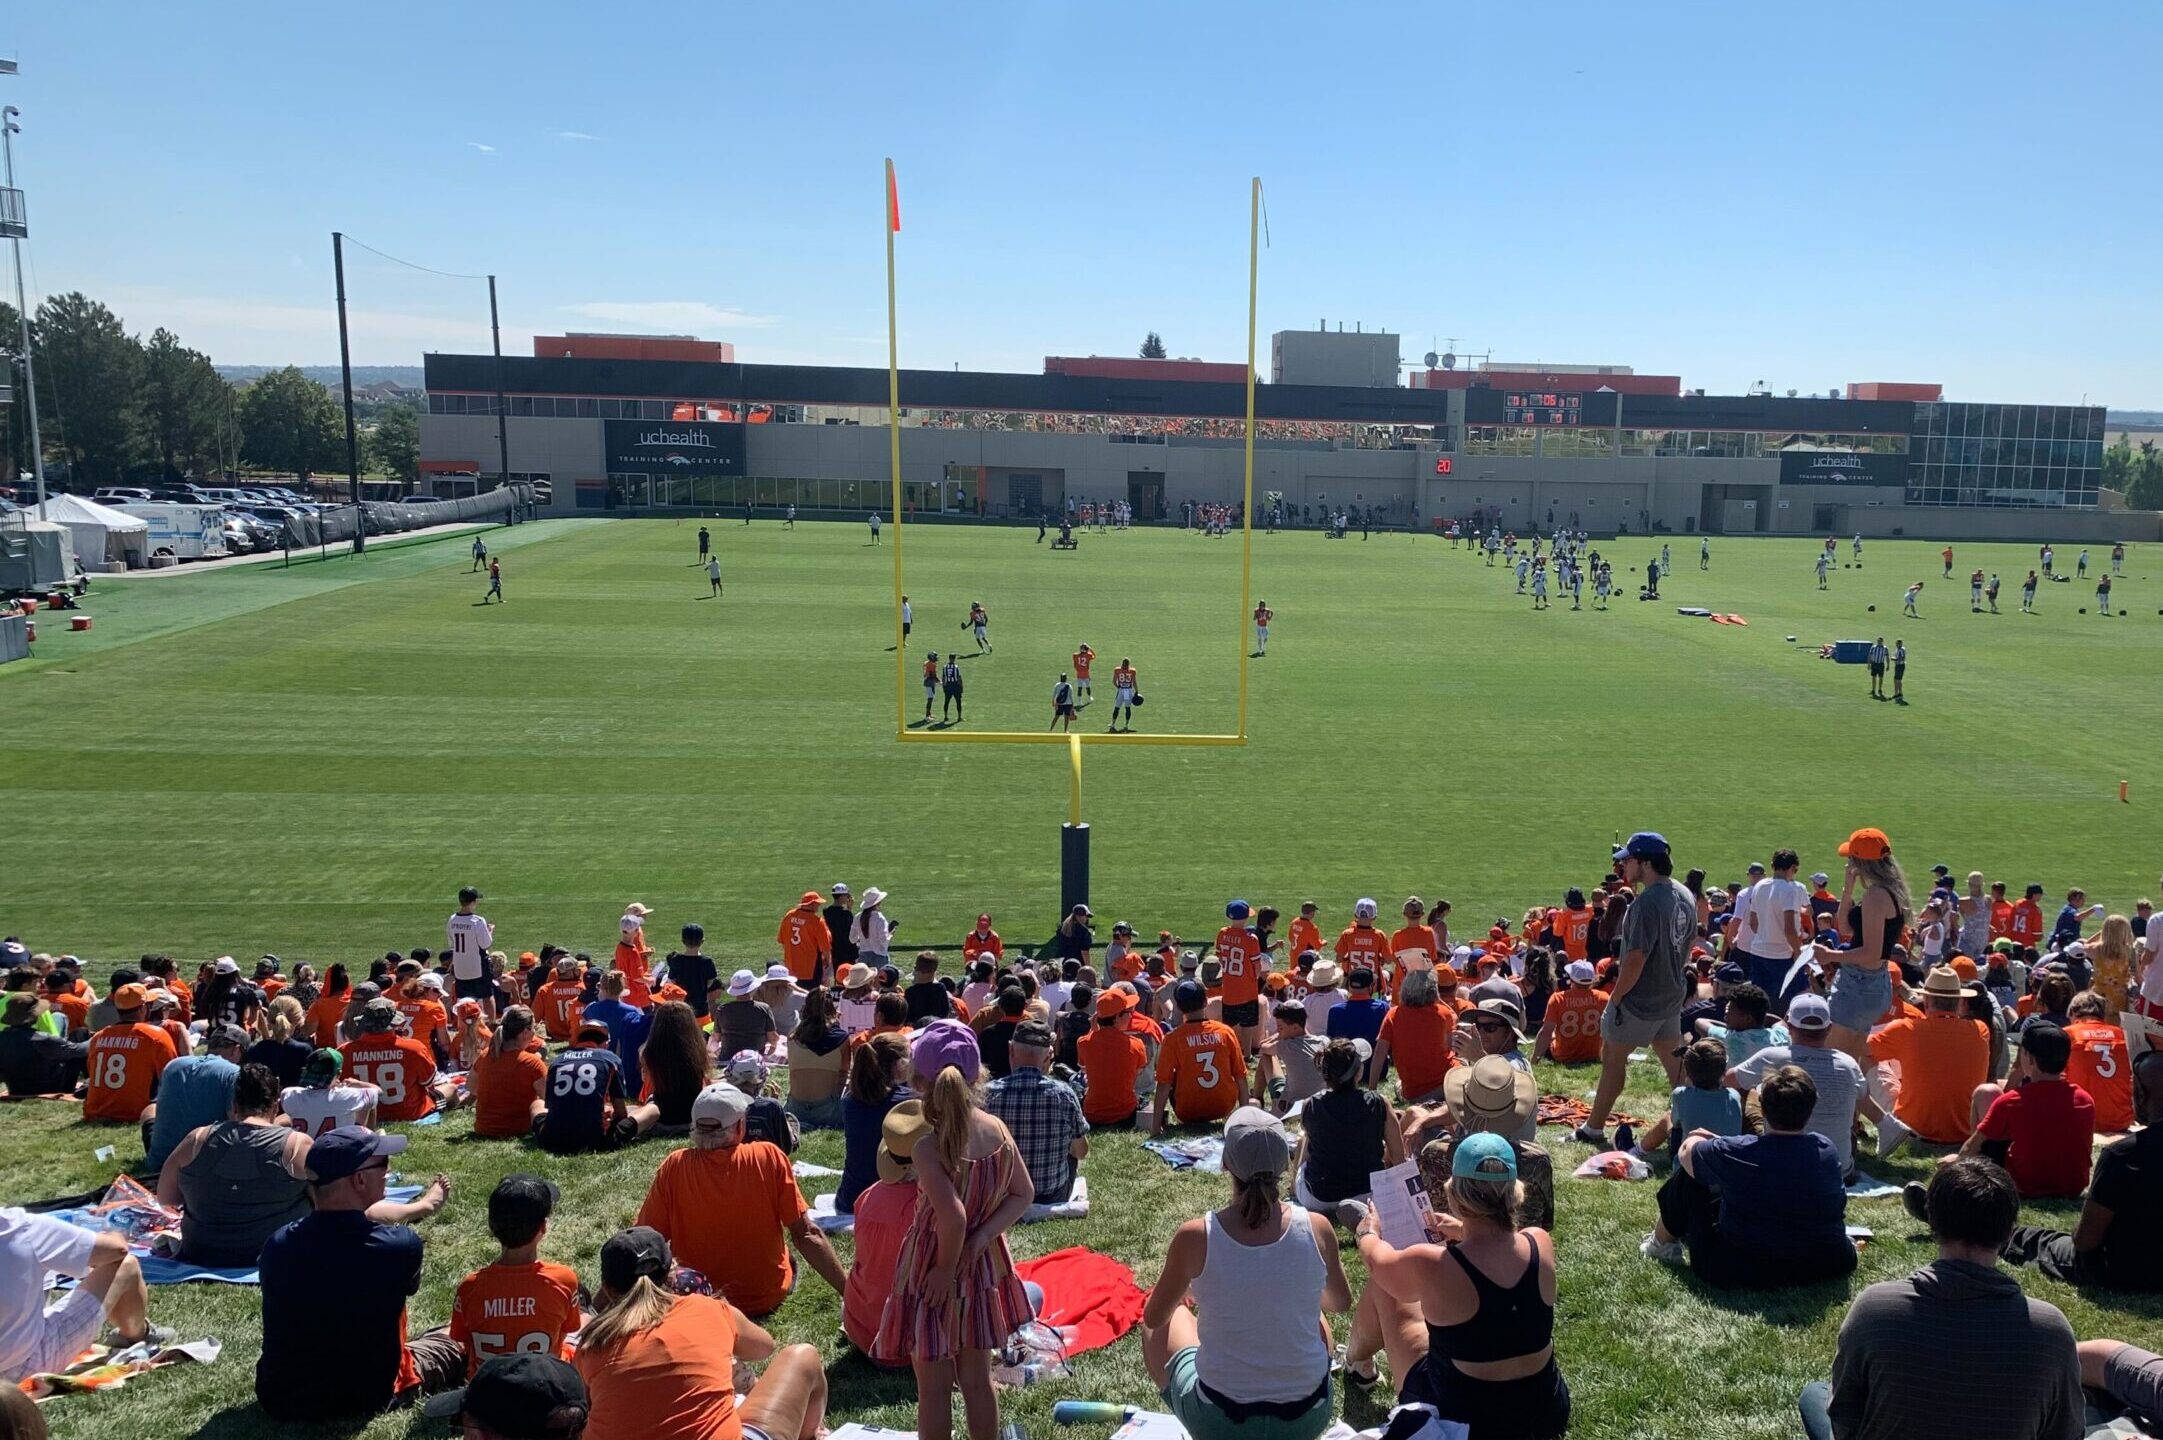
[1090,1412]
[1012,1430]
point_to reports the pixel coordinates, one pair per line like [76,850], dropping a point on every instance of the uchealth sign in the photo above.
[1831,467]
[674,447]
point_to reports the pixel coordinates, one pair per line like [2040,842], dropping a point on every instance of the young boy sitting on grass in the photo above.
[1704,1103]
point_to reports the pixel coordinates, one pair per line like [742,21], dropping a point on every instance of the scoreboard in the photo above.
[1543,407]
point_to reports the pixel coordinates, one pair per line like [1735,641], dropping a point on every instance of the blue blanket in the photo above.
[1203,1155]
[162,1270]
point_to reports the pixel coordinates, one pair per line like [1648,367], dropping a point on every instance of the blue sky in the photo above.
[1804,195]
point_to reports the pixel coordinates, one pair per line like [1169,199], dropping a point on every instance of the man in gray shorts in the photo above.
[1646,1008]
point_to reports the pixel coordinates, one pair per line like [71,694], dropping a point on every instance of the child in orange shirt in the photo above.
[631,956]
[520,1303]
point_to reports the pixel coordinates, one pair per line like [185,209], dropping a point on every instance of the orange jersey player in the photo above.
[1083,655]
[1262,616]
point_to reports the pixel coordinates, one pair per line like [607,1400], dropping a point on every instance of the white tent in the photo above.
[105,539]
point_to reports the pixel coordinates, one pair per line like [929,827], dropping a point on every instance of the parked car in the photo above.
[120,494]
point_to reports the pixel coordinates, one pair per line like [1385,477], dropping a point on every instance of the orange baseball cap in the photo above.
[1867,845]
[527,959]
[1114,1002]
[1964,967]
[129,997]
[1446,975]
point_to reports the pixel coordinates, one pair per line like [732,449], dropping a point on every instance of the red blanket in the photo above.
[1090,1299]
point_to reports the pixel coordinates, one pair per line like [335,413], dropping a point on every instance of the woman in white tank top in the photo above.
[1252,1361]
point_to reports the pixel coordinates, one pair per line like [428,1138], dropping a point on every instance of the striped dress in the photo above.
[990,1305]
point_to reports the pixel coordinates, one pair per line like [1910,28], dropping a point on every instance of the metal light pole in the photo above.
[15,225]
[345,368]
[503,408]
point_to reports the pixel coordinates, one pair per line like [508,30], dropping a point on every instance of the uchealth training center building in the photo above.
[631,425]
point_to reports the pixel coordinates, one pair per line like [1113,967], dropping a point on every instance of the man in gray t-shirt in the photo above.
[1653,982]
[1838,1078]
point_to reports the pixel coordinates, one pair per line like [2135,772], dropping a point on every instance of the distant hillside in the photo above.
[2133,420]
[408,375]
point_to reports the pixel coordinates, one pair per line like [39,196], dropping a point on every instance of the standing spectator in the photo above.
[2066,929]
[1253,1357]
[125,1060]
[1073,940]
[35,1338]
[806,946]
[1870,932]
[1943,1057]
[1041,1114]
[956,1297]
[871,930]
[2110,958]
[691,969]
[840,918]
[195,1090]
[1645,1007]
[732,1208]
[1772,924]
[662,1366]
[2000,1364]
[1764,1210]
[32,1061]
[469,936]
[1111,1058]
[883,1216]
[876,1085]
[1834,1073]
[2024,924]
[374,1269]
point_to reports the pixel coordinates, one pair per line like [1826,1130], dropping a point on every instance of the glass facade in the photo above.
[2005,455]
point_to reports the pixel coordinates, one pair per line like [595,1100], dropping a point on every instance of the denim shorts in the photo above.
[1860,997]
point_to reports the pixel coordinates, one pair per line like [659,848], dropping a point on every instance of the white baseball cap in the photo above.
[431,981]
[1580,972]
[1366,909]
[226,965]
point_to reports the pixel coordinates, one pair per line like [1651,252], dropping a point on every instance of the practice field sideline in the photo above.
[310,761]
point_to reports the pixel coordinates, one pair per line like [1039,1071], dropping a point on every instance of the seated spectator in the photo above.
[1489,1095]
[1943,1057]
[1252,1358]
[1467,1325]
[876,1086]
[518,1303]
[1762,1211]
[36,1337]
[398,1065]
[194,1091]
[1042,1115]
[2114,1242]
[1288,1072]
[2101,1063]
[33,1061]
[743,1022]
[1073,1022]
[1360,1016]
[1704,1103]
[767,1119]
[779,993]
[662,1366]
[1324,977]
[561,1000]
[1008,1009]
[1201,1072]
[732,1208]
[927,999]
[328,1008]
[62,999]
[1112,1059]
[506,1082]
[125,1060]
[239,1181]
[335,1283]
[1998,1363]
[418,996]
[322,1101]
[1747,1027]
[2129,1381]
[1839,1080]
[524,1397]
[815,1056]
[676,1065]
[1416,1033]
[1346,1134]
[584,1105]
[1535,1175]
[2041,1130]
[285,1049]
[883,1215]
[1570,1032]
[626,1026]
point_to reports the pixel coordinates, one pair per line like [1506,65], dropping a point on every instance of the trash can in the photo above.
[1851,652]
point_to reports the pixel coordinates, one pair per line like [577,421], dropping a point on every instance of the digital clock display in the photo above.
[1543,407]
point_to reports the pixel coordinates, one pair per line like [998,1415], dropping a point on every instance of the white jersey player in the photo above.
[468,937]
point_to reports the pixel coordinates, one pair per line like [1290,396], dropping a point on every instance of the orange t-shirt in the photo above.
[1575,1014]
[1575,927]
[674,1380]
[727,1213]
[186,995]
[2102,1066]
[504,1088]
[1197,1066]
[1416,936]
[515,1310]
[560,1004]
[1942,1059]
[402,1069]
[1304,935]
[1126,965]
[272,986]
[125,1062]
[2026,925]
[1362,945]
[425,1015]
[1419,1046]
[324,1015]
[631,960]
[1111,1058]
[803,937]
[989,943]
[74,1008]
[2001,919]
[1241,951]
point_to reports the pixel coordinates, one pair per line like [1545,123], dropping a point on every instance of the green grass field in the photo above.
[310,761]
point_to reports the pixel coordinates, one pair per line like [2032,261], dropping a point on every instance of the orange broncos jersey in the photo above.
[1363,946]
[560,1004]
[1198,1063]
[1575,928]
[1241,951]
[1082,657]
[515,1309]
[1575,1014]
[2101,1066]
[803,937]
[125,1061]
[402,1069]
[1304,935]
